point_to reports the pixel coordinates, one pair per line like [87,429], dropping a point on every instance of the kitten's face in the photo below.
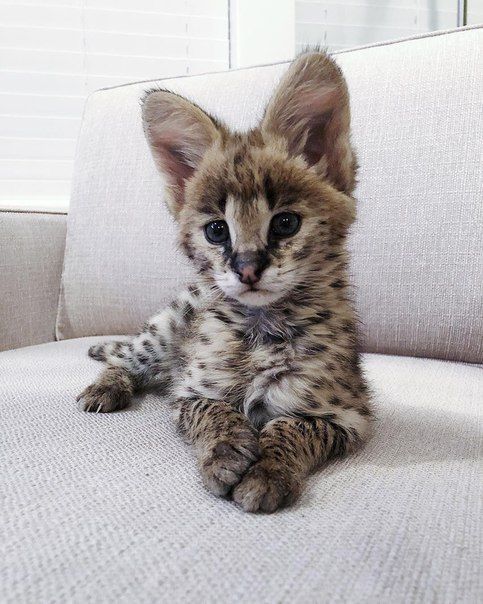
[256,222]
[258,212]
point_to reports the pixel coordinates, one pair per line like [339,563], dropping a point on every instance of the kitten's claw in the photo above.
[266,487]
[227,462]
[100,398]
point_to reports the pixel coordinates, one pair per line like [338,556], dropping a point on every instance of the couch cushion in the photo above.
[110,508]
[416,264]
[31,257]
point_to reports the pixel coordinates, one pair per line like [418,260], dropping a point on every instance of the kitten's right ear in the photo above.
[179,133]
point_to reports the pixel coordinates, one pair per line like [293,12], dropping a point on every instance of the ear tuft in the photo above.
[179,133]
[310,110]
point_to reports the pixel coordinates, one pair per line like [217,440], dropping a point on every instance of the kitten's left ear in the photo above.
[310,110]
[179,133]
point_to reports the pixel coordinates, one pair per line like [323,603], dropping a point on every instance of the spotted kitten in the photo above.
[260,353]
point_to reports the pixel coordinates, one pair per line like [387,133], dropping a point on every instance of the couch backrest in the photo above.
[416,247]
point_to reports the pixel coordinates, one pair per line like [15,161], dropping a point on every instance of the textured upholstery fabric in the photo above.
[31,256]
[417,260]
[110,508]
[417,253]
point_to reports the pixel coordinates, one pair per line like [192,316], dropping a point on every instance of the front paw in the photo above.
[227,461]
[104,398]
[266,487]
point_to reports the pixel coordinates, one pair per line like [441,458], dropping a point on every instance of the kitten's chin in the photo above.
[245,295]
[254,297]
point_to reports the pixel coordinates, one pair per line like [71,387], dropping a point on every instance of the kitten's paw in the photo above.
[103,398]
[227,462]
[97,352]
[266,487]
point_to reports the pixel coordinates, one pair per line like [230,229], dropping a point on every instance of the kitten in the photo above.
[260,353]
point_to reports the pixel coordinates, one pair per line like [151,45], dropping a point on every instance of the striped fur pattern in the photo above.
[259,356]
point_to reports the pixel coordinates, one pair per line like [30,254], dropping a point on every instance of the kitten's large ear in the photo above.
[179,133]
[310,110]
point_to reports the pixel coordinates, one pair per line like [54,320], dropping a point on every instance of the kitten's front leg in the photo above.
[226,442]
[291,449]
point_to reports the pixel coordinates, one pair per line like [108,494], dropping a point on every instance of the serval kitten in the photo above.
[260,353]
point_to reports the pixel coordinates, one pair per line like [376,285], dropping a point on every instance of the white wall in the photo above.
[261,31]
[475,12]
[341,24]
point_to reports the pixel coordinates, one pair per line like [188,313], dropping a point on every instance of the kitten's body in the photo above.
[263,363]
[262,370]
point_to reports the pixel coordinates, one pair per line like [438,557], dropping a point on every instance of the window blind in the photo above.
[340,24]
[55,52]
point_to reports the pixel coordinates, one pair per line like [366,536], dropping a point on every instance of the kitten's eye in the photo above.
[285,224]
[217,231]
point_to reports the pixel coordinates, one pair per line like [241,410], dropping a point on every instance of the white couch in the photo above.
[110,508]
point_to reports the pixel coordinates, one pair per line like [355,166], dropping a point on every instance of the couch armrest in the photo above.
[31,258]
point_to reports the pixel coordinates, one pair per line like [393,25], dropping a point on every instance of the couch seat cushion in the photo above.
[110,508]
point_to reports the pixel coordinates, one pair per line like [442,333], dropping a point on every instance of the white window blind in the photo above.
[54,52]
[340,24]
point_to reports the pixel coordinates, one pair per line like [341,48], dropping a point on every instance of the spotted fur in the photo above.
[264,377]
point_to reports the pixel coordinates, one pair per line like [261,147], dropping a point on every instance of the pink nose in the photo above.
[248,274]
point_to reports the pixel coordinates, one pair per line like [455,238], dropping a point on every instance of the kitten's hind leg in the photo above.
[131,366]
[141,362]
[112,391]
[101,352]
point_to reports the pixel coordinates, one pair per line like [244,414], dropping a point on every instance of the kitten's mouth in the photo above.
[256,289]
[254,296]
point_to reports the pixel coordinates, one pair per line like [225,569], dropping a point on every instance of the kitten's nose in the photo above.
[249,266]
[248,274]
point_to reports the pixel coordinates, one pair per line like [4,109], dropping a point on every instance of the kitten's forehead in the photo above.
[248,174]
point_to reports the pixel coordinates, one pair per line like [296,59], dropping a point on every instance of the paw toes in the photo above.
[97,352]
[265,490]
[226,464]
[98,399]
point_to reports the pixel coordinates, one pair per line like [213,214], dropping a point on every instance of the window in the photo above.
[340,24]
[53,53]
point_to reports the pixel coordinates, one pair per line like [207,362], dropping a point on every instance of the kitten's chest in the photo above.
[246,361]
